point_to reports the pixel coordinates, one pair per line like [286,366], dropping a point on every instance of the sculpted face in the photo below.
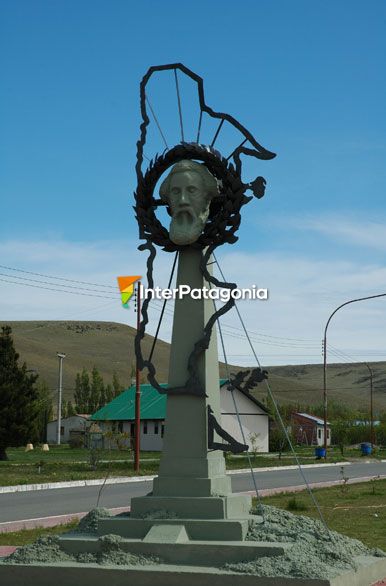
[188,190]
[189,205]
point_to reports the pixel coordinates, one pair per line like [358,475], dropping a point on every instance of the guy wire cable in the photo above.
[261,509]
[316,504]
[163,309]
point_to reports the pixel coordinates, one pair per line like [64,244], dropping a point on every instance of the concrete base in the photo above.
[173,547]
[65,574]
[196,529]
[232,506]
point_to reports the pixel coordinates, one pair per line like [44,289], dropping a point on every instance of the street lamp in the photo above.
[371,406]
[325,360]
[59,420]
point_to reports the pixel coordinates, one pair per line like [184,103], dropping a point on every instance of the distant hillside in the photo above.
[346,383]
[110,347]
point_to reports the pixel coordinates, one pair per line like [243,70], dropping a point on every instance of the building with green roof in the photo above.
[120,413]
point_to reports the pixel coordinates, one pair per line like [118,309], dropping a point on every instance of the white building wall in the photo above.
[320,435]
[75,423]
[151,441]
[150,438]
[254,420]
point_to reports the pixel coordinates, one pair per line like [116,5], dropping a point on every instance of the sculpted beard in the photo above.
[186,226]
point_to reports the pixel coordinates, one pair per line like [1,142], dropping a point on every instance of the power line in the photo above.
[48,283]
[56,290]
[58,278]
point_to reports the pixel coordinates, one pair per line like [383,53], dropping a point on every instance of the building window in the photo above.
[162,429]
[132,429]
[145,427]
[120,427]
[319,433]
[156,427]
[62,430]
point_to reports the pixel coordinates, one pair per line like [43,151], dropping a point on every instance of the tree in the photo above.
[18,397]
[109,393]
[117,387]
[82,392]
[70,409]
[340,434]
[97,390]
[45,410]
[102,397]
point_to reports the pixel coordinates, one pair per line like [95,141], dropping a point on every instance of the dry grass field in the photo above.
[110,347]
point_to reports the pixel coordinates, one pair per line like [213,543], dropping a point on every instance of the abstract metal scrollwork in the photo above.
[237,380]
[232,446]
[223,222]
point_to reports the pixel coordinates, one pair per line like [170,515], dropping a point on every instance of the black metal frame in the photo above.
[224,218]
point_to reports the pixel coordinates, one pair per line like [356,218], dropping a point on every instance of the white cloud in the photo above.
[343,228]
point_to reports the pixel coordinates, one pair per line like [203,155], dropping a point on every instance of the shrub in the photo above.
[76,442]
[295,505]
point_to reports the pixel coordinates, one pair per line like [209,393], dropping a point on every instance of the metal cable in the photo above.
[217,132]
[179,106]
[261,510]
[316,504]
[199,128]
[157,123]
[163,309]
[233,152]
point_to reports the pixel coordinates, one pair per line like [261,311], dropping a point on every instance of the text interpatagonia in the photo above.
[182,291]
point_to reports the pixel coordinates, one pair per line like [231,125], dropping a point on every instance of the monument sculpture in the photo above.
[188,191]
[191,529]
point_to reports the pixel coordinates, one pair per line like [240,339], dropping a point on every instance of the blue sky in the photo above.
[307,78]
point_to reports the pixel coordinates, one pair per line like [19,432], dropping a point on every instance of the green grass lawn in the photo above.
[64,453]
[30,535]
[62,463]
[357,510]
[11,475]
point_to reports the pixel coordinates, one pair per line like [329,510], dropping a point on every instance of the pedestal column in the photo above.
[187,468]
[192,483]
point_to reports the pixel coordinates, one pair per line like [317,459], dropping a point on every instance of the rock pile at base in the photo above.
[47,549]
[89,523]
[315,552]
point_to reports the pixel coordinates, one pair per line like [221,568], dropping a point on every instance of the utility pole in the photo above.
[59,420]
[371,406]
[137,388]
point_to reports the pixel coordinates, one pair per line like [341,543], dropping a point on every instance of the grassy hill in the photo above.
[110,347]
[346,383]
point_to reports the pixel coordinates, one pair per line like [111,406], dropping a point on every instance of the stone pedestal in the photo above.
[192,484]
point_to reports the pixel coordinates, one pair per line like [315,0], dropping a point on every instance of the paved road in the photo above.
[43,503]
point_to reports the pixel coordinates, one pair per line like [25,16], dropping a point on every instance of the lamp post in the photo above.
[325,360]
[59,421]
[371,405]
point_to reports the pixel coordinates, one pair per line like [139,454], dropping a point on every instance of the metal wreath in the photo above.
[224,218]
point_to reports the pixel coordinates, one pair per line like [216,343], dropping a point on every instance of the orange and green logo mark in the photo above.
[126,287]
